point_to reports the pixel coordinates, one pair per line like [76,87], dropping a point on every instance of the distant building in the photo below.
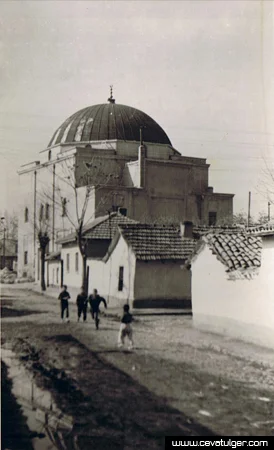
[8,253]
[136,169]
[232,284]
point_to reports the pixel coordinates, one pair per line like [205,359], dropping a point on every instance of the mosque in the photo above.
[131,166]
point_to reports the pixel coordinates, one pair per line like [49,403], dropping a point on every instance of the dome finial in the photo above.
[111,99]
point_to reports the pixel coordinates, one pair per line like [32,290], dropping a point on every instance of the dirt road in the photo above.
[175,381]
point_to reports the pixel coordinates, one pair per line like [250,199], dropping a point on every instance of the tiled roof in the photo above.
[103,227]
[236,251]
[229,229]
[262,230]
[108,228]
[155,242]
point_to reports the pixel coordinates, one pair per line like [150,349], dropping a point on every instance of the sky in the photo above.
[202,69]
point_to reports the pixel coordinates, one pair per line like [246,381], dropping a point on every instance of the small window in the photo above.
[41,212]
[49,155]
[68,262]
[25,258]
[123,211]
[26,214]
[47,211]
[121,279]
[57,275]
[77,262]
[64,207]
[212,218]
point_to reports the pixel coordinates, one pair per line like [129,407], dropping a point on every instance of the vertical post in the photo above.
[268,215]
[87,281]
[249,208]
[4,249]
[34,220]
[141,135]
[62,273]
[53,209]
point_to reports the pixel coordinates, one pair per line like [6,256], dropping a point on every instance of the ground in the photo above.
[177,380]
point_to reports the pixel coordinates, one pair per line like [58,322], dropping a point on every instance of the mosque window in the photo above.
[76,262]
[123,211]
[47,211]
[121,279]
[41,212]
[64,207]
[25,258]
[26,214]
[212,218]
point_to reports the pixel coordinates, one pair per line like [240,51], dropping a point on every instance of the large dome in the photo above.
[106,122]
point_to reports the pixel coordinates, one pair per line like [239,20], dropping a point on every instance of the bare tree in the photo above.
[11,224]
[42,230]
[266,183]
[74,190]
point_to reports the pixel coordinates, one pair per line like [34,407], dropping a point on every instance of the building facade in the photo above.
[232,285]
[129,163]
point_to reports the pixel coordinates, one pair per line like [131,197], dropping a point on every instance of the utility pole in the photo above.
[268,210]
[34,219]
[4,241]
[53,209]
[249,207]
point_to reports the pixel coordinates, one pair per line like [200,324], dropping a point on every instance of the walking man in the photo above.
[94,301]
[82,303]
[64,298]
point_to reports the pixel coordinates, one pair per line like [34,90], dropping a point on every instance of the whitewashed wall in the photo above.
[242,308]
[72,278]
[105,276]
[53,273]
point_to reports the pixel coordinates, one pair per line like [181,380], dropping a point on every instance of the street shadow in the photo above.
[150,415]
[10,312]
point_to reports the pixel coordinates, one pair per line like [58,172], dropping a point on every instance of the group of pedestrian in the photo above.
[82,302]
[94,301]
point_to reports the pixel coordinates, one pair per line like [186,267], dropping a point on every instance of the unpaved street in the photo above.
[177,380]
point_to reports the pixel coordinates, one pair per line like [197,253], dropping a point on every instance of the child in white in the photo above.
[125,328]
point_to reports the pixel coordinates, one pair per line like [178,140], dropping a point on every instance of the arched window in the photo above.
[49,155]
[26,214]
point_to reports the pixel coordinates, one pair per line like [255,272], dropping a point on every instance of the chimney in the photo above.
[187,230]
[142,165]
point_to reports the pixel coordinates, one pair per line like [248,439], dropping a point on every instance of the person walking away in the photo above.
[64,298]
[126,329]
[82,303]
[95,300]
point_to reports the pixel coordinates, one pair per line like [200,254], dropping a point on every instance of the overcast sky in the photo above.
[201,69]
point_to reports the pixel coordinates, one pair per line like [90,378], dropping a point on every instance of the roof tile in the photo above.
[156,242]
[236,251]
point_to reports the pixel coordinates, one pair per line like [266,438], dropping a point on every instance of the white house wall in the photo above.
[167,283]
[26,229]
[242,308]
[72,278]
[53,273]
[105,276]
